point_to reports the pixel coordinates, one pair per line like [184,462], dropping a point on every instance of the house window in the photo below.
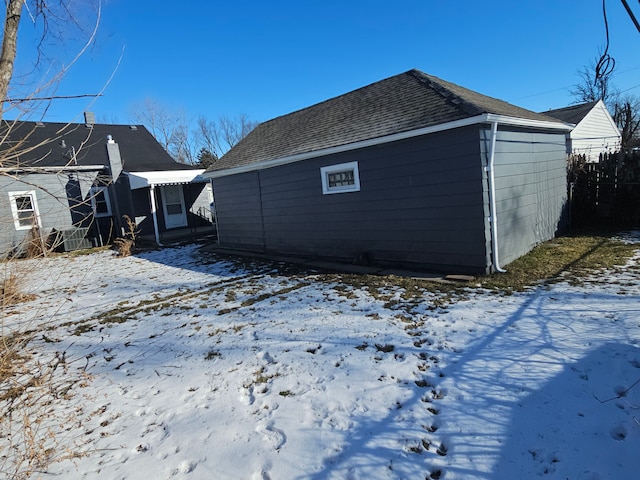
[340,178]
[100,201]
[24,208]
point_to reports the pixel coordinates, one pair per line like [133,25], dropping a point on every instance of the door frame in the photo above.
[174,217]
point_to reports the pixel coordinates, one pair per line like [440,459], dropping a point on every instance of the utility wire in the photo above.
[633,17]
[606,64]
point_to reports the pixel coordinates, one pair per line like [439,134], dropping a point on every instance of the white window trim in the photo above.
[92,194]
[14,208]
[342,167]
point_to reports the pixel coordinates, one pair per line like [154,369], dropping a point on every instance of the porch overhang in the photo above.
[139,180]
[151,180]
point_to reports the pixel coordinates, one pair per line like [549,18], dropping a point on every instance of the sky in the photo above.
[266,59]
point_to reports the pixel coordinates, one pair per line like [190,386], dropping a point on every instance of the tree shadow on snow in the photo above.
[583,424]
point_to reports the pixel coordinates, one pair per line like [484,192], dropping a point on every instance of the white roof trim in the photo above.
[482,118]
[66,168]
[166,177]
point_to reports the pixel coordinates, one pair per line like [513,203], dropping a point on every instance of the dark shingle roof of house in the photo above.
[37,144]
[573,114]
[402,103]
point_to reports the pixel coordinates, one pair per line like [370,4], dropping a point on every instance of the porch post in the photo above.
[152,199]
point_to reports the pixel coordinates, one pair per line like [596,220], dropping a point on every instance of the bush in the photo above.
[125,245]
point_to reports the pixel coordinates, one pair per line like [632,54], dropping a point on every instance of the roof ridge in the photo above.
[573,107]
[441,87]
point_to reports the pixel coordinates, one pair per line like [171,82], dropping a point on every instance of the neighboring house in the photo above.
[410,171]
[76,182]
[595,131]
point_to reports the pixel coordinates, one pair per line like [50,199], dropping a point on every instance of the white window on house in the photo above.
[100,201]
[341,178]
[24,208]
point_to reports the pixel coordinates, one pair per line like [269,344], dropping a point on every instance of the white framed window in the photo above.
[100,201]
[24,208]
[341,178]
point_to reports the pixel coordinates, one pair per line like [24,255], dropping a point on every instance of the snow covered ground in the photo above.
[191,366]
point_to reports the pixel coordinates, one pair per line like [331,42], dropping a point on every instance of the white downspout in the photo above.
[492,199]
[152,199]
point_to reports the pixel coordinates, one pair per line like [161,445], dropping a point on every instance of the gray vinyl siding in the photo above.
[52,196]
[531,189]
[420,205]
[239,212]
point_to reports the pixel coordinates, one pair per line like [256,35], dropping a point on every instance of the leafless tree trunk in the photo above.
[9,47]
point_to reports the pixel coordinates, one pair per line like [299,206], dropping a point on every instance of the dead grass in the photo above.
[32,432]
[126,244]
[569,258]
[565,258]
[11,292]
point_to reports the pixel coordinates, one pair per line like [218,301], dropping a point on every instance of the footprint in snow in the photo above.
[274,437]
[265,357]
[246,396]
[263,473]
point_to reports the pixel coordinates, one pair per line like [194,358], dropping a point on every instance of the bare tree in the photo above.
[172,129]
[183,148]
[235,129]
[161,122]
[592,87]
[57,21]
[28,385]
[220,136]
[625,109]
[9,47]
[169,127]
[626,114]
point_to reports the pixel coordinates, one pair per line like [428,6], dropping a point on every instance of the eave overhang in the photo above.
[486,118]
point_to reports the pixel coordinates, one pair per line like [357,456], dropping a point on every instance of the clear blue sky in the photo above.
[266,59]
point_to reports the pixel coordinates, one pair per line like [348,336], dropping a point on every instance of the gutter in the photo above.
[493,213]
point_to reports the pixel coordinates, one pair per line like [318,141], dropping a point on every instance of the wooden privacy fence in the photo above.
[606,192]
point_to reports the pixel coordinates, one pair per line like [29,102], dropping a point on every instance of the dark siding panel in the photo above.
[420,205]
[239,211]
[142,210]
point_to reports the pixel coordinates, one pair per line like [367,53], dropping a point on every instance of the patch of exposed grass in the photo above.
[570,257]
[211,354]
[386,348]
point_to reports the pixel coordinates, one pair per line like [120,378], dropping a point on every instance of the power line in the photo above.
[633,17]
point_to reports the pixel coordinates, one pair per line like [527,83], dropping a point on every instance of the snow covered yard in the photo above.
[185,365]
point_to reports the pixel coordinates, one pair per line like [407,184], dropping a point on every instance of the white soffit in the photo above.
[166,177]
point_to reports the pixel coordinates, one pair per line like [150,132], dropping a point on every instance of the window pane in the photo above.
[101,202]
[101,207]
[26,219]
[175,209]
[24,203]
[341,179]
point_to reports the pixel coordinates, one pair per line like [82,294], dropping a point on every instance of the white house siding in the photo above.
[595,134]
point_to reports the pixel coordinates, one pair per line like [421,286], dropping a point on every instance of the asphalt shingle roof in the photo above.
[37,144]
[572,114]
[405,102]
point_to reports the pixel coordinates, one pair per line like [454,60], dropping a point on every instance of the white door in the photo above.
[173,206]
